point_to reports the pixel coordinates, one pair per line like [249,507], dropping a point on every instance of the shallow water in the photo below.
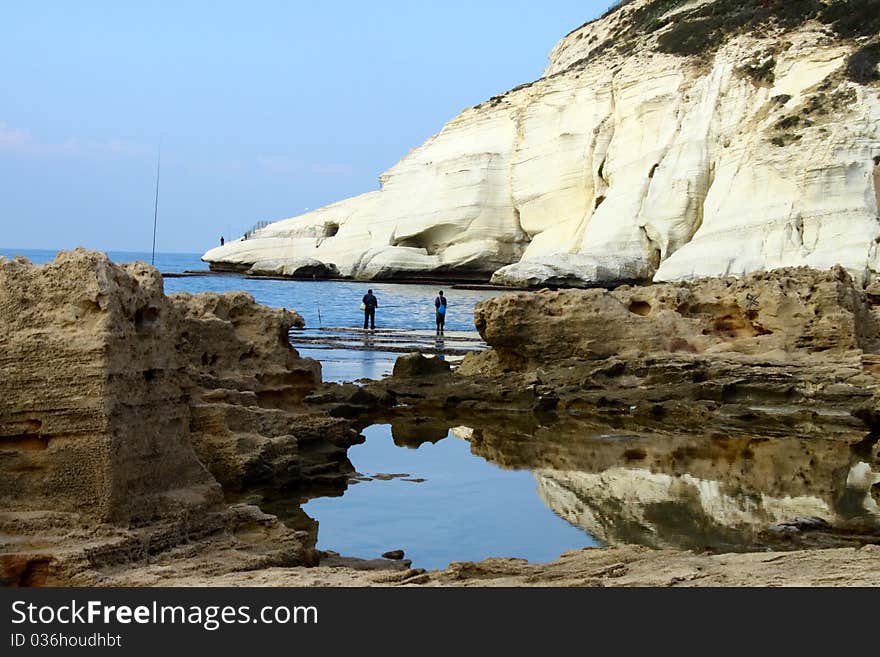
[516,488]
[348,354]
[465,509]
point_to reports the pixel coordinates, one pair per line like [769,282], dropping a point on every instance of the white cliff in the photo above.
[622,164]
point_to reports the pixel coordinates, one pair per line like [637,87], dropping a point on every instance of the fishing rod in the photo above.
[156,206]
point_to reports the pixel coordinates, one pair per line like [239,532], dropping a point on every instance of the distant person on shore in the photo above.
[440,306]
[222,241]
[369,305]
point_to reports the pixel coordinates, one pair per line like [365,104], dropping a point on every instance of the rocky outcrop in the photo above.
[124,408]
[94,421]
[787,314]
[416,365]
[666,141]
[248,423]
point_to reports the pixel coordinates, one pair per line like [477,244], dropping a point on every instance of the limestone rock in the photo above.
[116,398]
[789,311]
[625,162]
[416,365]
[94,420]
[782,353]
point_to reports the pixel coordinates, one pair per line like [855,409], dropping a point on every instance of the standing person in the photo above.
[222,241]
[440,305]
[369,305]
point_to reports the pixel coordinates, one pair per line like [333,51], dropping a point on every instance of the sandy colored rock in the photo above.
[116,398]
[94,420]
[624,566]
[796,312]
[416,365]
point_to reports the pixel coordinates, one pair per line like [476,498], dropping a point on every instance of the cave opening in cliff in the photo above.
[330,229]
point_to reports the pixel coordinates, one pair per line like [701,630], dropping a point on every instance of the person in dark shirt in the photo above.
[370,303]
[440,306]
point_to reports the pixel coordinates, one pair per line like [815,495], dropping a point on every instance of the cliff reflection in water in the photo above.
[691,492]
[455,503]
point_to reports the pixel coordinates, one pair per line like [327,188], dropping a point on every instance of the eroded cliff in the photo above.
[667,140]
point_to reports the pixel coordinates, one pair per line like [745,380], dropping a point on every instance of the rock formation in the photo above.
[789,352]
[667,140]
[116,398]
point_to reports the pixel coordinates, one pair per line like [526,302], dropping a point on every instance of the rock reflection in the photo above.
[690,492]
[659,490]
[415,432]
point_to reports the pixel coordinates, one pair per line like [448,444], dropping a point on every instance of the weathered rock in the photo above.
[626,162]
[395,554]
[116,398]
[416,366]
[790,312]
[95,420]
[248,422]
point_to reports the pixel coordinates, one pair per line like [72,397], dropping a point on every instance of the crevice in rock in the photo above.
[701,203]
[654,252]
[29,437]
[799,229]
[145,317]
[877,184]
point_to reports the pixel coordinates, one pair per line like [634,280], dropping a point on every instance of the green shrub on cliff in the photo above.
[706,27]
[852,18]
[861,66]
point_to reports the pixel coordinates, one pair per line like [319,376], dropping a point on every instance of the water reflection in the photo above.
[508,487]
[420,489]
[440,347]
[418,431]
[691,492]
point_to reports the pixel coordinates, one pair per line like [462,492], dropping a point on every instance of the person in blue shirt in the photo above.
[370,304]
[440,306]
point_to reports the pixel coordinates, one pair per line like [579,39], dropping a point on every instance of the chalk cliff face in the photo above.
[642,153]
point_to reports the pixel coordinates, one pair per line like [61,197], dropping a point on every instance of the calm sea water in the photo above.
[466,508]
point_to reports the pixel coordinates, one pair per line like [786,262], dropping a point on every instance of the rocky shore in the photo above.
[137,429]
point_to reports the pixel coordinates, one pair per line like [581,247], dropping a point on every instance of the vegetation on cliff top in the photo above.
[703,29]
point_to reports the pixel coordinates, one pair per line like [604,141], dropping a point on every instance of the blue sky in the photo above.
[263,108]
